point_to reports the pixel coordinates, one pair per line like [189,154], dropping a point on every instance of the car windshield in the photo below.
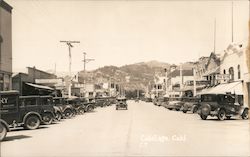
[174,99]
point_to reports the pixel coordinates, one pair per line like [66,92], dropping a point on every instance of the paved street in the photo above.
[142,130]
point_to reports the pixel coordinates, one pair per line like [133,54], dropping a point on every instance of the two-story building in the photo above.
[5,46]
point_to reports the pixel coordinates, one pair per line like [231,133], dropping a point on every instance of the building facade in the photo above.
[5,46]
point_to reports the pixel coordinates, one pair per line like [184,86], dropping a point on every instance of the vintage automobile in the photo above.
[47,102]
[147,99]
[224,106]
[159,101]
[121,103]
[111,101]
[14,112]
[165,101]
[175,103]
[89,104]
[190,104]
[40,104]
[102,101]
[67,110]
[78,106]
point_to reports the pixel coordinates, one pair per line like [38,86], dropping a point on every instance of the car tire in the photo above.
[68,113]
[32,122]
[245,115]
[203,117]
[195,109]
[184,111]
[81,110]
[58,116]
[170,108]
[177,109]
[3,132]
[47,118]
[221,114]
[90,108]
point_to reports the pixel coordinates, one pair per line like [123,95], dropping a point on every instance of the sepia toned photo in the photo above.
[124,78]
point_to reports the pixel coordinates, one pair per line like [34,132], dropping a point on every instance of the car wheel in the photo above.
[90,108]
[244,115]
[177,109]
[170,108]
[184,111]
[68,113]
[81,110]
[195,109]
[58,116]
[221,114]
[47,118]
[3,132]
[32,122]
[203,117]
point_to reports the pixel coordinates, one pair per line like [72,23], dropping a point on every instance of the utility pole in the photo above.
[166,81]
[69,43]
[232,21]
[181,83]
[86,60]
[194,74]
[214,35]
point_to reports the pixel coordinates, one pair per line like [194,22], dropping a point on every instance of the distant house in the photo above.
[212,68]
[176,80]
[26,83]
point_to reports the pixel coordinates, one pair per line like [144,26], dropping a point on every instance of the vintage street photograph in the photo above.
[124,78]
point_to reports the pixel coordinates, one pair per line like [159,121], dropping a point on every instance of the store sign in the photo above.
[48,81]
[222,77]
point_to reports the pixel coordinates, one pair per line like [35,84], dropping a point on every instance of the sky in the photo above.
[121,32]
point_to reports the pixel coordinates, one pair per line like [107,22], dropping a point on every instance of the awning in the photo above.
[187,88]
[234,88]
[39,86]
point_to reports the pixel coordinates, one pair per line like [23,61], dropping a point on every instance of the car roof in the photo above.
[30,96]
[9,92]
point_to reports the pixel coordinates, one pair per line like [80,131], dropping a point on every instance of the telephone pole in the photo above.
[69,43]
[86,60]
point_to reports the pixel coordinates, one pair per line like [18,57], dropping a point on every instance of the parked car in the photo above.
[190,104]
[14,112]
[77,105]
[165,101]
[159,101]
[66,109]
[175,103]
[41,104]
[148,99]
[223,106]
[121,102]
[89,104]
[101,101]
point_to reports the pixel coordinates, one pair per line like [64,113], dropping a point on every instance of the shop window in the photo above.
[238,71]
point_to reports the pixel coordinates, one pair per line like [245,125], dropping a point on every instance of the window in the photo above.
[30,101]
[238,67]
[224,71]
[231,73]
